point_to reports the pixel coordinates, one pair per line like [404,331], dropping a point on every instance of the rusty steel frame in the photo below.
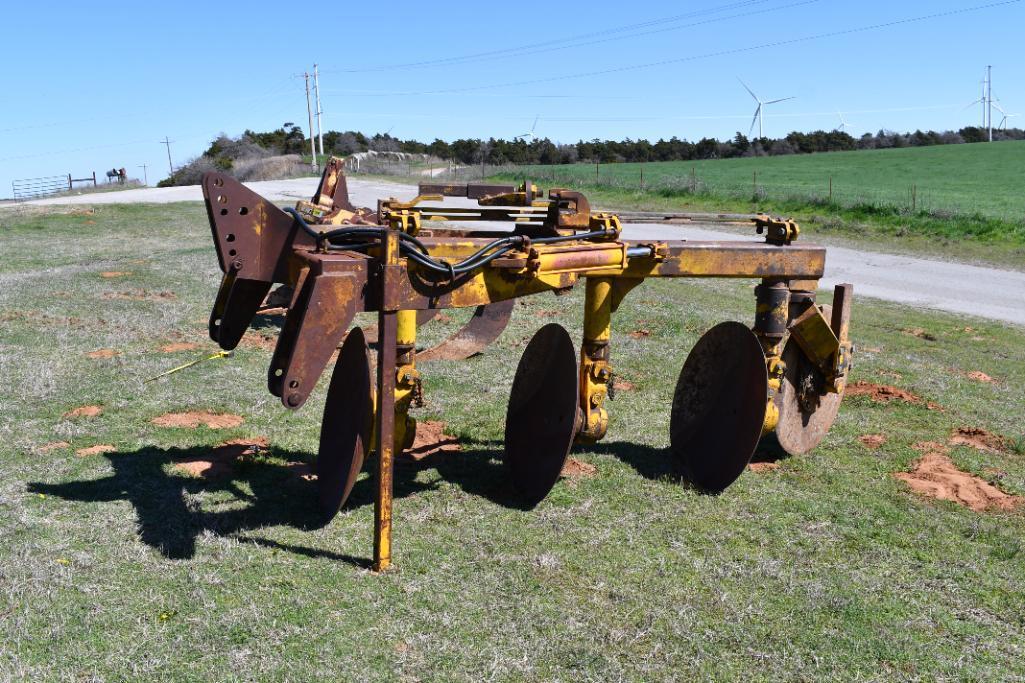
[259,245]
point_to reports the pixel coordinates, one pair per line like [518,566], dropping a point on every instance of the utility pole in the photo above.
[309,112]
[145,179]
[167,142]
[316,91]
[989,101]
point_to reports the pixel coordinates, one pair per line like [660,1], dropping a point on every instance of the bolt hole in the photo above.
[224,212]
[218,182]
[232,252]
[223,199]
[293,384]
[279,372]
[230,237]
[243,211]
[217,321]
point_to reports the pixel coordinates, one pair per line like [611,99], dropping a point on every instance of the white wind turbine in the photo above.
[1003,122]
[761,106]
[530,134]
[843,122]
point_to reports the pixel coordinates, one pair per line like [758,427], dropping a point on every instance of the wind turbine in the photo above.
[1003,122]
[758,112]
[843,123]
[529,134]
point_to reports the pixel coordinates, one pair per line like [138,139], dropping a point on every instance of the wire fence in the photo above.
[825,192]
[29,188]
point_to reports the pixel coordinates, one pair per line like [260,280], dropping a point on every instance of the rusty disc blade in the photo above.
[806,409]
[345,429]
[483,328]
[542,418]
[719,406]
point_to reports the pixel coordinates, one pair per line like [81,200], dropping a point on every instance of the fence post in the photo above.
[642,177]
[693,179]
[830,189]
[914,197]
[69,181]
[754,184]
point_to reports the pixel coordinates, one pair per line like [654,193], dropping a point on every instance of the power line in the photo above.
[722,53]
[581,40]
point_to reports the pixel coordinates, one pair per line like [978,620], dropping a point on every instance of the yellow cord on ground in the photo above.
[219,354]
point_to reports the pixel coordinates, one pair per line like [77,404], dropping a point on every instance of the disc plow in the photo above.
[782,378]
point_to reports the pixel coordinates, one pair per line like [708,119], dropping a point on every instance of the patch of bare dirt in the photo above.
[431,440]
[99,449]
[115,273]
[763,466]
[881,393]
[83,411]
[52,446]
[640,333]
[443,318]
[929,447]
[259,340]
[546,313]
[936,476]
[102,353]
[578,469]
[980,376]
[175,347]
[193,418]
[872,441]
[221,459]
[624,385]
[139,295]
[979,439]
[920,333]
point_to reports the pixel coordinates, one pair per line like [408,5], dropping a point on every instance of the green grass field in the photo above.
[121,566]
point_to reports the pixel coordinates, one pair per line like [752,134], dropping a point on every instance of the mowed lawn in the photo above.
[130,564]
[983,178]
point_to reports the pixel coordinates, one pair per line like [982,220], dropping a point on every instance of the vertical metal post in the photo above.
[69,181]
[94,178]
[316,92]
[387,325]
[309,112]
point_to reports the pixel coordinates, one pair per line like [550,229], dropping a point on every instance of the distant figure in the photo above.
[122,176]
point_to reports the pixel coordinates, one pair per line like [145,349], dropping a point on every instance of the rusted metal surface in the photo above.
[542,417]
[346,426]
[719,406]
[784,376]
[487,323]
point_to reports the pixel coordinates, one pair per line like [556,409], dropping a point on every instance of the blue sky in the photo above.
[90,86]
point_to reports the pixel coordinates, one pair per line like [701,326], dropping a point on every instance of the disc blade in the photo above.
[542,419]
[806,410]
[345,429]
[483,328]
[719,406]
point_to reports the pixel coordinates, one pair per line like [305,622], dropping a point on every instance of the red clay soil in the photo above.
[578,469]
[52,446]
[221,459]
[115,273]
[430,440]
[179,346]
[872,441]
[257,340]
[929,447]
[624,385]
[640,333]
[139,295]
[102,353]
[881,393]
[980,376]
[978,439]
[99,449]
[83,411]
[193,418]
[920,333]
[936,476]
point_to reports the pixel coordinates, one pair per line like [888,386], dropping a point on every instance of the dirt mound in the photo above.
[980,376]
[640,333]
[102,353]
[979,439]
[578,469]
[83,411]
[179,346]
[259,340]
[763,466]
[936,476]
[431,440]
[221,459]
[873,441]
[115,273]
[99,449]
[52,446]
[920,333]
[881,393]
[193,418]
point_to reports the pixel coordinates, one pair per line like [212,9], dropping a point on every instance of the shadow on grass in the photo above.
[261,493]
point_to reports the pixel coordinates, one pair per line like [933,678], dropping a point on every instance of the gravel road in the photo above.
[953,287]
